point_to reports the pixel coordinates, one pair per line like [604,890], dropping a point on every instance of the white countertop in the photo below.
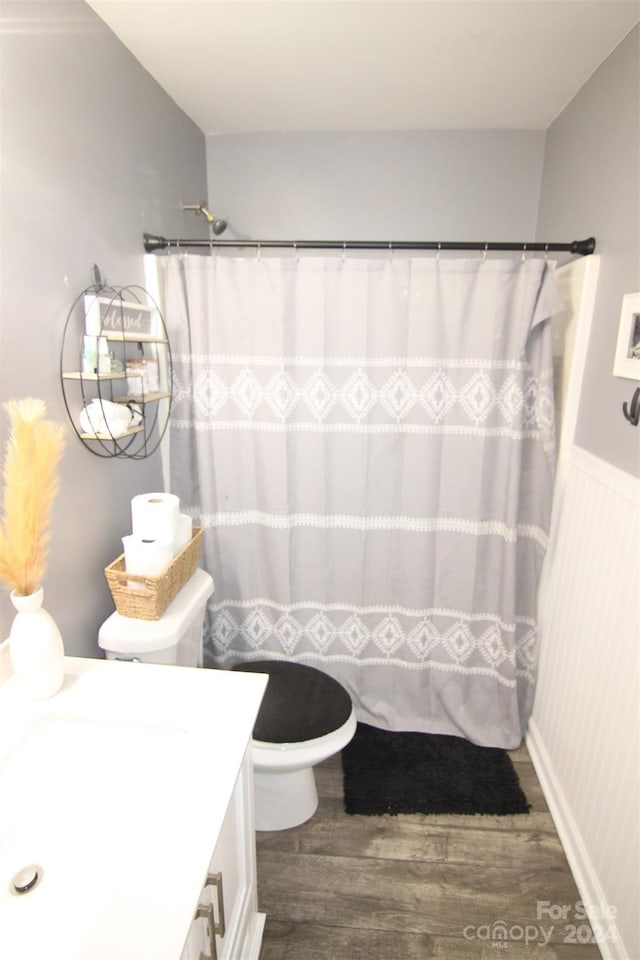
[117,787]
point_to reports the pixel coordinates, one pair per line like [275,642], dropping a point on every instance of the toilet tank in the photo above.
[175,638]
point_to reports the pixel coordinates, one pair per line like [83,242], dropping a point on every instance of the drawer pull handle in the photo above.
[205,912]
[215,880]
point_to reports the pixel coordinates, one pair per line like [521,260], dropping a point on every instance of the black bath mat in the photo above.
[427,773]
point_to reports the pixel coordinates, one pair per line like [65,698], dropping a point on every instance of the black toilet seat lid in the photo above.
[300,702]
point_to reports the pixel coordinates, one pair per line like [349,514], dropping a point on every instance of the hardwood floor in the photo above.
[346,887]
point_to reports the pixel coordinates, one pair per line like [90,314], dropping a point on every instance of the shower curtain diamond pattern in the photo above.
[368,444]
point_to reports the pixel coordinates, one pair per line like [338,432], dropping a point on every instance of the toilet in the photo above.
[306,716]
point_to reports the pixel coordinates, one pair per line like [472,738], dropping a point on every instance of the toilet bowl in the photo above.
[305,717]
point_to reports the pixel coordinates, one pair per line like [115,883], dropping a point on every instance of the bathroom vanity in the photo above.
[131,792]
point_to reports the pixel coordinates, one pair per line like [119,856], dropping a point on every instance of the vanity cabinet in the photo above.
[147,846]
[226,923]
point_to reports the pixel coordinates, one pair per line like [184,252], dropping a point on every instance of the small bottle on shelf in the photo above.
[89,354]
[104,357]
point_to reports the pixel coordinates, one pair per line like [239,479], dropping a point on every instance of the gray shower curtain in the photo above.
[368,443]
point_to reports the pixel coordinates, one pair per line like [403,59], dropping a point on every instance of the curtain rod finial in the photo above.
[584,247]
[153,243]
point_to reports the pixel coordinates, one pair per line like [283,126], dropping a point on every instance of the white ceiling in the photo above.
[246,66]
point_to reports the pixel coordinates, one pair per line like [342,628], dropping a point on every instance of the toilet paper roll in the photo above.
[147,558]
[154,516]
[184,534]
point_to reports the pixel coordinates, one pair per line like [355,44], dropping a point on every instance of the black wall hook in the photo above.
[632,413]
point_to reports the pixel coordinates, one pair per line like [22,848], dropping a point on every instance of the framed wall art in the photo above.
[110,316]
[627,358]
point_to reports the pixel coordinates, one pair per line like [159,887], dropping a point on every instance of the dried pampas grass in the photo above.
[33,452]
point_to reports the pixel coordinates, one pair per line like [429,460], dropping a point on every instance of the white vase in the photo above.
[35,647]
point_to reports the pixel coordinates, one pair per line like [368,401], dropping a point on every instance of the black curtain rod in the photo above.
[580,247]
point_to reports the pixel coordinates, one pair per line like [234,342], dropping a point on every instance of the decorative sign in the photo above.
[112,317]
[627,359]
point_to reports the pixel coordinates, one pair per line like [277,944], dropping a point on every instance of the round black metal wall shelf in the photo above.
[116,371]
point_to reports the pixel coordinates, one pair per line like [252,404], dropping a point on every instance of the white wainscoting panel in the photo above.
[584,734]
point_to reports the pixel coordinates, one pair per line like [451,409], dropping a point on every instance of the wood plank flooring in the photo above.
[346,887]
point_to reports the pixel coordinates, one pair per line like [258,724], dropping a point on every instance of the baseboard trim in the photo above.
[577,854]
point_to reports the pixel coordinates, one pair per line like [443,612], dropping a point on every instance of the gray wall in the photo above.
[94,153]
[443,185]
[591,185]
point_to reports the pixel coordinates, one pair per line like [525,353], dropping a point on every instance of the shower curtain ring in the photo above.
[485,251]
[524,251]
[546,253]
[438,253]
[344,250]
